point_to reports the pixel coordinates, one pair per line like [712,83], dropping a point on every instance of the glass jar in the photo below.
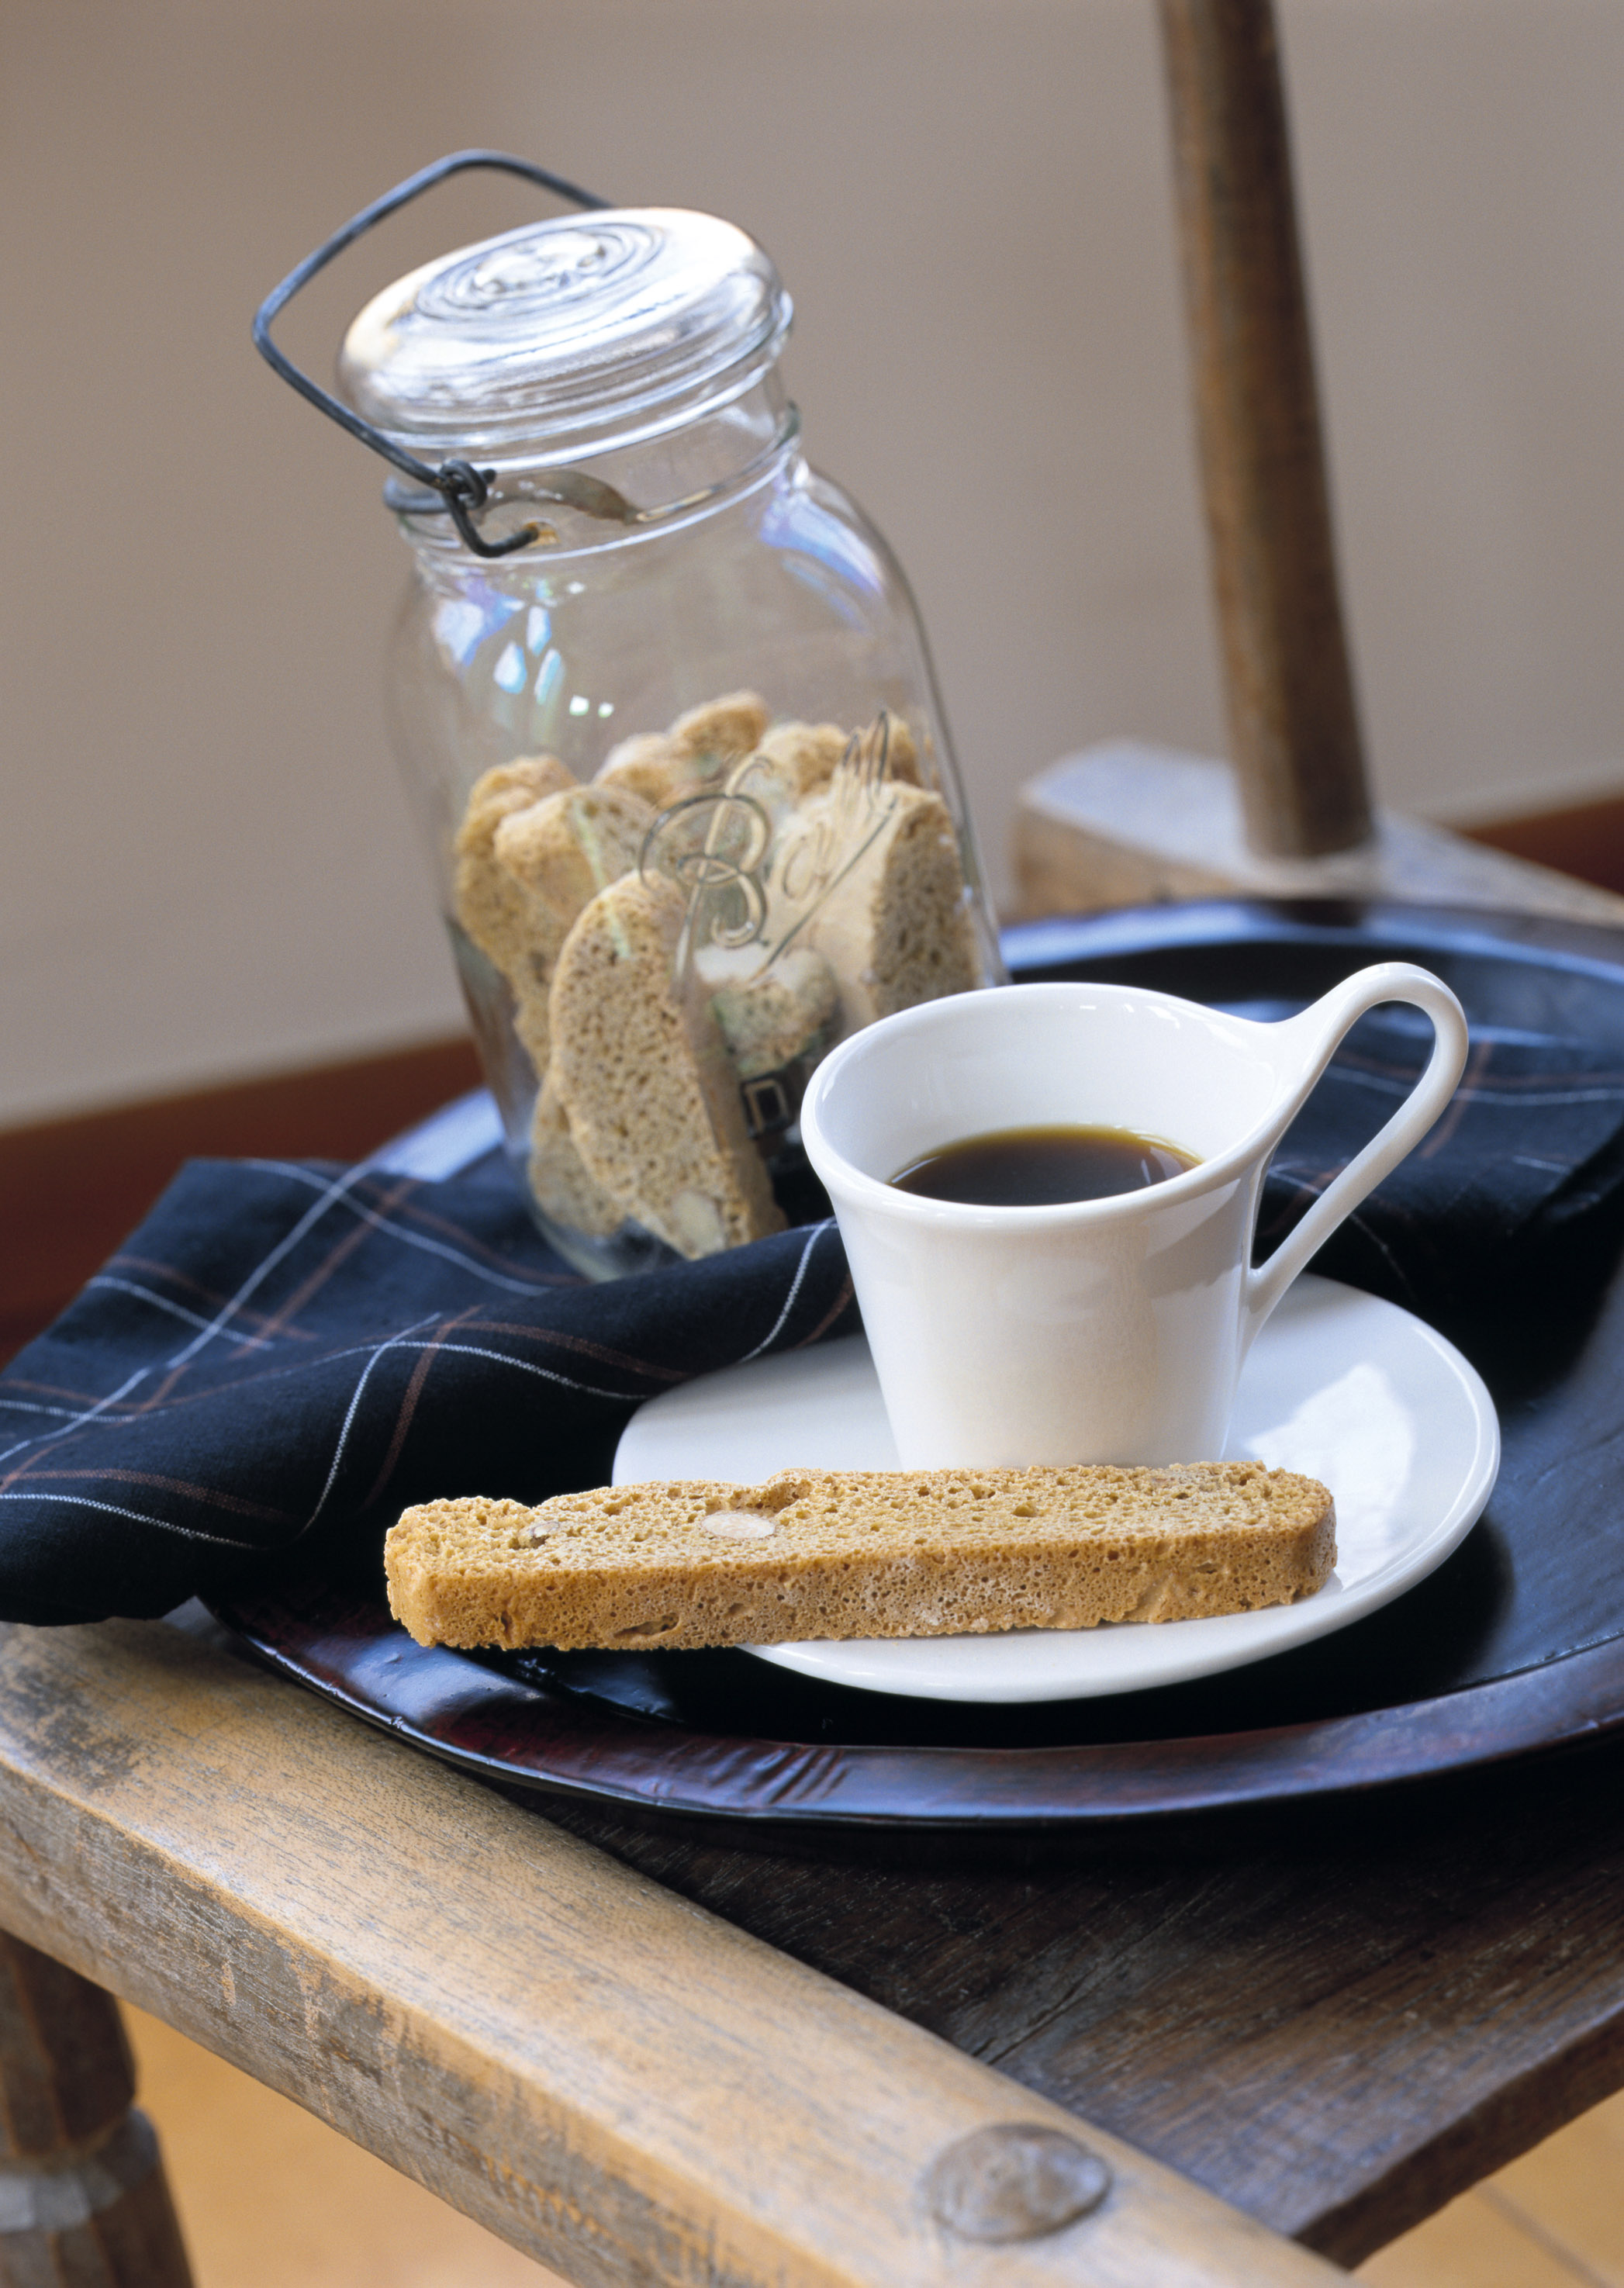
[679,755]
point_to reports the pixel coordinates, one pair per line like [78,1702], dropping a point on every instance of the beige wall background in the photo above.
[206,867]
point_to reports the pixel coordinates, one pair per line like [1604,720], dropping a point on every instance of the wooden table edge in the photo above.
[608,2078]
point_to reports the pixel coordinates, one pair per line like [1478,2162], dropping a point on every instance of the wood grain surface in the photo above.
[1294,725]
[1129,823]
[608,2076]
[1340,2028]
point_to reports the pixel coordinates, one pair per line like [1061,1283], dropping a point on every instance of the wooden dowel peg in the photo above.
[1294,722]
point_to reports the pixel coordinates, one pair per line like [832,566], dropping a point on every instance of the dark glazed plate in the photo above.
[1514,1647]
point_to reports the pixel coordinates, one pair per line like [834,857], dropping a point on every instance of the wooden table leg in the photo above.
[83,2200]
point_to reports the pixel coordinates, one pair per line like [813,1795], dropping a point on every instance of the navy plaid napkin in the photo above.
[283,1356]
[1515,1199]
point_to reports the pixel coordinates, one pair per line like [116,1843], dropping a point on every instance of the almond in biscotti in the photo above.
[826,1554]
[895,928]
[643,1075]
[559,852]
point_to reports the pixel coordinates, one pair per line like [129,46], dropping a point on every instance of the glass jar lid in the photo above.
[566,337]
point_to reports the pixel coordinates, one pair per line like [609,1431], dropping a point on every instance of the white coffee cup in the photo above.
[1100,1330]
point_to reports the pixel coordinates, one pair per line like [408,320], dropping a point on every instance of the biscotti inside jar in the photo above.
[679,940]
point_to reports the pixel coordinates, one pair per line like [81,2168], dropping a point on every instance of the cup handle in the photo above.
[1313,1039]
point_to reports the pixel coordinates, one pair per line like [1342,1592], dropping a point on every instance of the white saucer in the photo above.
[1344,1387]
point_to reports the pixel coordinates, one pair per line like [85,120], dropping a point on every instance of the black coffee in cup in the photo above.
[1043,1167]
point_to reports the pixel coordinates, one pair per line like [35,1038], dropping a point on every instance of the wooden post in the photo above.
[82,2195]
[1293,721]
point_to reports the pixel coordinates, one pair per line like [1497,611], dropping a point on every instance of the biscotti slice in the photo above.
[643,1075]
[564,849]
[490,906]
[508,787]
[825,1554]
[713,737]
[646,765]
[794,762]
[559,852]
[559,1180]
[695,755]
[895,928]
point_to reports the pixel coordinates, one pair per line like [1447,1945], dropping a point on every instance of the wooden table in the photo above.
[644,2056]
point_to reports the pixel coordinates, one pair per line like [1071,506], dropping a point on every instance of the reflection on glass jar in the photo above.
[680,759]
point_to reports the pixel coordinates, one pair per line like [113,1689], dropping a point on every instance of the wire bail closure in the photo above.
[461,488]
